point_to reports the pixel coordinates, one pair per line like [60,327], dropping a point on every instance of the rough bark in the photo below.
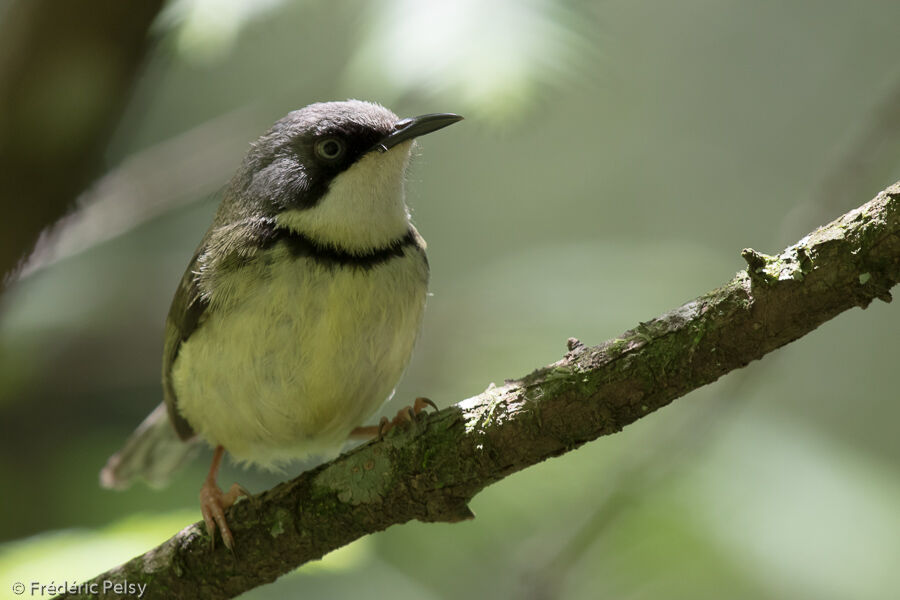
[431,470]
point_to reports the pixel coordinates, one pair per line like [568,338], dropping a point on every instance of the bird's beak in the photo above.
[407,129]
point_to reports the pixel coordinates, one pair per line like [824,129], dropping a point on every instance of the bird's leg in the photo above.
[213,502]
[404,415]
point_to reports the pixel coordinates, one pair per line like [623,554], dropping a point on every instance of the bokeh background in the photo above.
[615,158]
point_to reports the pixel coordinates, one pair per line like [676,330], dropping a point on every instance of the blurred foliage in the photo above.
[491,58]
[616,158]
[205,31]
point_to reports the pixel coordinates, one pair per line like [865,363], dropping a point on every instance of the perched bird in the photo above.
[298,312]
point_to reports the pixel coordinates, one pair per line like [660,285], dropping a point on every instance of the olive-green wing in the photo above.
[225,247]
[187,308]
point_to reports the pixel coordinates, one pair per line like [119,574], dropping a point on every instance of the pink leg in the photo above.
[214,503]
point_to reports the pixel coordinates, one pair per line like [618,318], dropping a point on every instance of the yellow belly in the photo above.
[289,359]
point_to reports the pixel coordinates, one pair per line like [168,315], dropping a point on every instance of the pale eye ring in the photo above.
[330,148]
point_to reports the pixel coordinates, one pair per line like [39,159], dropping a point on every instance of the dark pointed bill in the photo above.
[407,129]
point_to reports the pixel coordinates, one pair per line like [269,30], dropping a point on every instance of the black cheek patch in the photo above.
[318,173]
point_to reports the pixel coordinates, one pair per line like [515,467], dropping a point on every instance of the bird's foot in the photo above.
[407,414]
[213,504]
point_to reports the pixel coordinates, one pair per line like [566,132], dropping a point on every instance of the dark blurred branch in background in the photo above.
[160,179]
[432,469]
[66,70]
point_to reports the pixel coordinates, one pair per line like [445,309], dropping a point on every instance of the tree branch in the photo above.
[66,69]
[431,470]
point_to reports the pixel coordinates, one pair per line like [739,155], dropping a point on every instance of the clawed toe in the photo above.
[214,502]
[420,404]
[407,414]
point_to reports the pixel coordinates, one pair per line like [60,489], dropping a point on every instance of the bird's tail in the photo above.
[152,453]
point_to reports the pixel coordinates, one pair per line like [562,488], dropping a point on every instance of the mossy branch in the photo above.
[432,469]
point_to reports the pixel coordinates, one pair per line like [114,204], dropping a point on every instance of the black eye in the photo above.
[329,148]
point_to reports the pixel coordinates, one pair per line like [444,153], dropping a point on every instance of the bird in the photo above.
[298,312]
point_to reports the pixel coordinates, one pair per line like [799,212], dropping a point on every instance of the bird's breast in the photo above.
[292,354]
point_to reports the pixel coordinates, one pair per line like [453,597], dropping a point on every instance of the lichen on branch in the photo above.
[432,469]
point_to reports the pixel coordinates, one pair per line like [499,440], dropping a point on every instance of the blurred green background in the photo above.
[615,158]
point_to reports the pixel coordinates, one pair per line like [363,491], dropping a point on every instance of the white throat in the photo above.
[364,207]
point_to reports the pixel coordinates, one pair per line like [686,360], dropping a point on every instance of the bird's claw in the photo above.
[407,414]
[213,504]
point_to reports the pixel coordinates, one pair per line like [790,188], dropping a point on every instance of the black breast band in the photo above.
[300,245]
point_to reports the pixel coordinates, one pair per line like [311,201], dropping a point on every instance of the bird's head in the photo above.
[334,171]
